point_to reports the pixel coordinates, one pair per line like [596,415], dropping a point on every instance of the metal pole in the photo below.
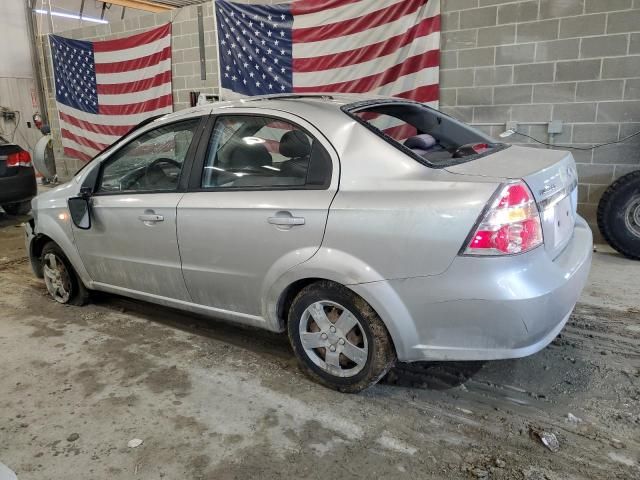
[35,61]
[215,31]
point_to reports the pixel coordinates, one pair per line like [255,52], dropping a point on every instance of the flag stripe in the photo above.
[133,40]
[340,13]
[360,24]
[135,97]
[136,86]
[129,65]
[368,52]
[72,152]
[82,140]
[114,120]
[93,134]
[115,130]
[132,53]
[370,82]
[304,8]
[372,67]
[142,73]
[356,40]
[426,93]
[132,108]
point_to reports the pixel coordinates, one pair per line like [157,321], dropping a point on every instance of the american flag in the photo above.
[105,88]
[386,47]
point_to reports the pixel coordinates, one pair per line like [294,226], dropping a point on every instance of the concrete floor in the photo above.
[214,401]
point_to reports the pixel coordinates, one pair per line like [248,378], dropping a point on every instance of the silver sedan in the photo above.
[370,229]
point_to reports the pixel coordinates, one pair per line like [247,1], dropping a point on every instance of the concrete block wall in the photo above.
[539,60]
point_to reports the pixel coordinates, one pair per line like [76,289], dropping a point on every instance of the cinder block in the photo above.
[621,170]
[554,93]
[475,96]
[582,156]
[117,27]
[595,192]
[464,114]
[605,46]
[560,8]
[632,90]
[183,69]
[599,90]
[575,112]
[629,128]
[459,39]
[512,94]
[450,21]
[634,43]
[447,96]
[583,25]
[595,133]
[189,26]
[478,17]
[513,54]
[621,22]
[147,21]
[476,57]
[518,12]
[486,3]
[132,23]
[534,73]
[595,174]
[456,78]
[531,113]
[594,6]
[537,31]
[583,193]
[448,59]
[493,75]
[451,5]
[501,35]
[628,111]
[181,42]
[191,55]
[491,114]
[621,67]
[617,153]
[558,50]
[578,70]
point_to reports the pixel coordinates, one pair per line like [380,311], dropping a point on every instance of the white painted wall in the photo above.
[15,58]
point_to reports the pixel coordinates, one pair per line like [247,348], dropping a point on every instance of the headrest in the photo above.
[423,141]
[249,156]
[295,143]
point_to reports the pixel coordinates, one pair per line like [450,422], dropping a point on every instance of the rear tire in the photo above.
[619,215]
[20,208]
[339,340]
[63,284]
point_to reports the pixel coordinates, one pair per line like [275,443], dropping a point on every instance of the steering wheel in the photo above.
[152,173]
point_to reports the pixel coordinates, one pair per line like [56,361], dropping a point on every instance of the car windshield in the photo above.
[428,135]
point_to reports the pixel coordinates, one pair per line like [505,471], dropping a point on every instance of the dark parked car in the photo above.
[17,179]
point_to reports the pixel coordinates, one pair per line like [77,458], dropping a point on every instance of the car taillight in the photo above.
[19,159]
[511,225]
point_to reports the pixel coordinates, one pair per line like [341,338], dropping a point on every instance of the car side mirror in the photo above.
[79,209]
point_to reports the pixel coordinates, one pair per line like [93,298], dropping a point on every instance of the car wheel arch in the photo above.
[288,294]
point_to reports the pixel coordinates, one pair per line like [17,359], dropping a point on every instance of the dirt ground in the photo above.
[215,401]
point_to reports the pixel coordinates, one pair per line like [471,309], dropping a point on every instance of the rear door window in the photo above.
[248,152]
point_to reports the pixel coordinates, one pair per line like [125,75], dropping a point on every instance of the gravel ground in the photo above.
[216,401]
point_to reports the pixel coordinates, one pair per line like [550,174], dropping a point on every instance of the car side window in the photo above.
[151,162]
[260,152]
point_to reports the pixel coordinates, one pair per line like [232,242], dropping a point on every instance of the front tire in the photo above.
[20,208]
[619,215]
[339,340]
[63,284]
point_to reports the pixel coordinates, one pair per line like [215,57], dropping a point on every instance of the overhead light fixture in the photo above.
[70,15]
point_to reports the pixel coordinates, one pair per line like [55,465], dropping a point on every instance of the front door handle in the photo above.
[151,218]
[285,219]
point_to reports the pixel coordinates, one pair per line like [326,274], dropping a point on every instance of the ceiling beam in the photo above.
[146,5]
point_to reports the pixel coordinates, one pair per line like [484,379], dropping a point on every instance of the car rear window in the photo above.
[427,135]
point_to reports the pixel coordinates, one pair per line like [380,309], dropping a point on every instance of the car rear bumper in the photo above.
[488,308]
[20,187]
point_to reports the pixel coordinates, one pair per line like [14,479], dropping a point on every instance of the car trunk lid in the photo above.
[5,150]
[551,176]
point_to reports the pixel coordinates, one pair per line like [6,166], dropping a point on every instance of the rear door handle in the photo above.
[285,219]
[151,217]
